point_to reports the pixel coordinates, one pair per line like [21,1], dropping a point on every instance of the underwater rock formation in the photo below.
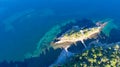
[21,30]
[58,34]
[107,29]
[22,15]
[48,53]
[8,23]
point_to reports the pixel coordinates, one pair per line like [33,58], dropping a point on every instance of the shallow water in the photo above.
[23,23]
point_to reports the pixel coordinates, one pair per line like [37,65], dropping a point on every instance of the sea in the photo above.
[24,22]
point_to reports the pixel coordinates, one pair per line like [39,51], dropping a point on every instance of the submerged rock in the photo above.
[72,38]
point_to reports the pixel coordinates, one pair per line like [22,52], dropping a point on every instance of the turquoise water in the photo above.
[24,22]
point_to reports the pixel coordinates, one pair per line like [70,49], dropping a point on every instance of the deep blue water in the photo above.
[24,22]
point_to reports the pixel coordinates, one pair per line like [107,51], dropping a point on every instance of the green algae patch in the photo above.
[46,41]
[109,26]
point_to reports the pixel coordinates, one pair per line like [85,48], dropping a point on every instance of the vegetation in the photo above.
[45,41]
[97,57]
[79,34]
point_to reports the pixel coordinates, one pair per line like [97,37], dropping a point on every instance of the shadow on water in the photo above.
[44,60]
